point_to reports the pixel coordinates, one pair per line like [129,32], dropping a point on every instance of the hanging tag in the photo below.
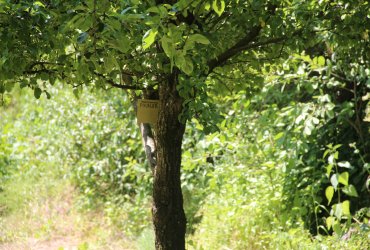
[147,111]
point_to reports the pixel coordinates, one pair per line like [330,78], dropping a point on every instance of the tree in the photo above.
[174,51]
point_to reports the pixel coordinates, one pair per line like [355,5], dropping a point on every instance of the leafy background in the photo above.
[260,183]
[276,153]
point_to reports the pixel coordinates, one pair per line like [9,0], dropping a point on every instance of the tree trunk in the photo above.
[168,214]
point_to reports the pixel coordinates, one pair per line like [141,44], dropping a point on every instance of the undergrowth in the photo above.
[75,167]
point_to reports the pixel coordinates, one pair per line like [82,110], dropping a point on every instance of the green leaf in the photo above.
[337,228]
[329,192]
[350,190]
[328,169]
[343,178]
[278,136]
[37,92]
[330,221]
[207,6]
[110,63]
[121,43]
[331,159]
[315,120]
[184,63]
[345,208]
[168,48]
[336,155]
[149,38]
[48,96]
[321,61]
[23,84]
[161,10]
[180,60]
[334,181]
[39,4]
[344,164]
[338,211]
[326,153]
[198,38]
[337,146]
[218,6]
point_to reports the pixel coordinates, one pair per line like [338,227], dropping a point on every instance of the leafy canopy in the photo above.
[136,44]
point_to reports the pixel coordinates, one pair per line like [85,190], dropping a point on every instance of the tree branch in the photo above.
[121,86]
[109,81]
[260,59]
[244,45]
[238,47]
[116,85]
[32,72]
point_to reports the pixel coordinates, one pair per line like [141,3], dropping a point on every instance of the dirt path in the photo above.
[35,244]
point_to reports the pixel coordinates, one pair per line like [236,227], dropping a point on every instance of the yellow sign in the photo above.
[147,111]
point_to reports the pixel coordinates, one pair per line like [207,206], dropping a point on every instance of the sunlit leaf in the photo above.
[344,164]
[334,181]
[329,192]
[345,207]
[331,159]
[343,178]
[350,190]
[278,136]
[218,6]
[330,221]
[321,61]
[328,170]
[338,211]
[149,38]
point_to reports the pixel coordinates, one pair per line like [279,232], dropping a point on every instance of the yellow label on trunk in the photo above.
[147,111]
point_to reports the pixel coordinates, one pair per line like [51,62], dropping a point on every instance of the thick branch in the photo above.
[39,71]
[237,48]
[121,86]
[243,46]
[116,85]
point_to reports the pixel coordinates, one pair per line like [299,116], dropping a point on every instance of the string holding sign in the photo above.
[147,111]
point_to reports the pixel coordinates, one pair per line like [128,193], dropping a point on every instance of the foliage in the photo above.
[290,79]
[233,181]
[137,45]
[71,140]
[332,111]
[248,203]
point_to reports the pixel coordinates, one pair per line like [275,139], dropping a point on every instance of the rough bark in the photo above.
[168,215]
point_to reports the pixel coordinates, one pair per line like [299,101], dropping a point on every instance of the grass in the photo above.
[39,209]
